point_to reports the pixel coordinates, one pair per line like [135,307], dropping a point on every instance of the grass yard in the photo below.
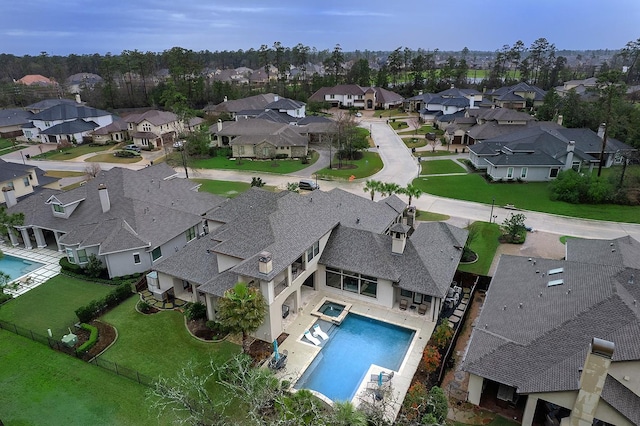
[485,245]
[439,167]
[110,158]
[528,196]
[63,174]
[5,143]
[433,153]
[370,164]
[426,216]
[275,166]
[391,113]
[397,125]
[422,131]
[52,304]
[42,386]
[224,188]
[158,344]
[71,152]
[414,142]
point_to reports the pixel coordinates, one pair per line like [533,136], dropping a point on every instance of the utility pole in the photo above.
[184,160]
[492,204]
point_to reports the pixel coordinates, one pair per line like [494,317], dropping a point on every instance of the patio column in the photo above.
[13,237]
[529,410]
[58,235]
[40,241]
[25,238]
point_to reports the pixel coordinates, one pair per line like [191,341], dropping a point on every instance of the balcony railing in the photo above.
[279,288]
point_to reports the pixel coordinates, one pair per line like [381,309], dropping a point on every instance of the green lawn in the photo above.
[528,196]
[42,386]
[110,158]
[392,113]
[158,344]
[370,164]
[63,174]
[430,216]
[414,142]
[225,188]
[433,153]
[52,304]
[397,125]
[439,167]
[5,143]
[71,152]
[497,421]
[422,131]
[485,245]
[275,166]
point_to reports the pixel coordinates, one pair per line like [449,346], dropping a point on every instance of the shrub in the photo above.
[94,267]
[123,291]
[4,297]
[85,313]
[431,358]
[93,338]
[92,309]
[68,266]
[127,154]
[442,334]
[143,306]
[281,156]
[196,311]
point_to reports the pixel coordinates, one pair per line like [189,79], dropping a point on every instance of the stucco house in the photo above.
[19,180]
[354,96]
[153,129]
[432,106]
[114,132]
[533,344]
[539,153]
[65,122]
[286,243]
[259,138]
[129,219]
[232,107]
[494,122]
[11,122]
[517,96]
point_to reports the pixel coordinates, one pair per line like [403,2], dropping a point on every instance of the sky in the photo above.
[63,27]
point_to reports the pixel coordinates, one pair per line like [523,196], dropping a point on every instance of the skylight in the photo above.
[555,282]
[555,271]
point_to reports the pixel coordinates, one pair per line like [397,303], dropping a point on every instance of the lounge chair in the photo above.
[281,362]
[403,304]
[310,338]
[422,309]
[385,377]
[317,332]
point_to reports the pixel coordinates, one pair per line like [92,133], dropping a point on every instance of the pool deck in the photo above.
[302,352]
[48,257]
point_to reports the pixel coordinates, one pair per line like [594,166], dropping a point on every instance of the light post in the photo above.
[492,217]
[22,155]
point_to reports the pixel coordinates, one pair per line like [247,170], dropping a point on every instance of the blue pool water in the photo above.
[351,349]
[17,266]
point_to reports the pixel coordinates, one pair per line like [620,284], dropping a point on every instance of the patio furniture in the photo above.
[403,304]
[311,338]
[281,362]
[317,332]
[422,309]
[385,377]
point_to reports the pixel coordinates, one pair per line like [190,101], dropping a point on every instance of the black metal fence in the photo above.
[57,345]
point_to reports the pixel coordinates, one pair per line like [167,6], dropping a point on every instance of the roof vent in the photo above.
[569,291]
[540,295]
[611,244]
[555,283]
[520,305]
[504,308]
[631,278]
[613,250]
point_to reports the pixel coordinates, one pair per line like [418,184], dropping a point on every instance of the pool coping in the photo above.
[51,266]
[335,320]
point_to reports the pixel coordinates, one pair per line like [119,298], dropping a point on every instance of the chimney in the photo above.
[398,238]
[219,125]
[560,120]
[419,92]
[601,130]
[225,99]
[104,198]
[264,263]
[594,374]
[568,163]
[276,98]
[78,100]
[453,86]
[9,196]
[410,216]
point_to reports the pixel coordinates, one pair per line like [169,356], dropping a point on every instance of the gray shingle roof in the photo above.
[69,111]
[622,399]
[155,117]
[249,103]
[14,117]
[70,127]
[535,337]
[256,130]
[623,251]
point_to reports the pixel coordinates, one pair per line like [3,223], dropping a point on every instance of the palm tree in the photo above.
[390,188]
[373,186]
[242,310]
[412,191]
[345,413]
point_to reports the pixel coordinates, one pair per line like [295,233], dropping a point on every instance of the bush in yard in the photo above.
[93,338]
[94,267]
[415,401]
[85,313]
[71,267]
[196,311]
[514,228]
[442,334]
[431,358]
[123,291]
[144,307]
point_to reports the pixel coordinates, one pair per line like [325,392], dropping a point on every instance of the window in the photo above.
[156,254]
[58,208]
[368,288]
[82,256]
[510,173]
[576,166]
[26,182]
[553,173]
[191,233]
[352,282]
[334,280]
[523,173]
[70,256]
[145,142]
[10,185]
[136,258]
[406,293]
[348,96]
[146,127]
[313,251]
[332,96]
[241,150]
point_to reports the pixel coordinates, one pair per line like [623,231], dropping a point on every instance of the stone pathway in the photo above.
[146,296]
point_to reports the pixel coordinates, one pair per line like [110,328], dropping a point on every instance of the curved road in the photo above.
[400,167]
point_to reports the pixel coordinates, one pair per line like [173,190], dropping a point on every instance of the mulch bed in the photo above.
[261,350]
[199,329]
[106,336]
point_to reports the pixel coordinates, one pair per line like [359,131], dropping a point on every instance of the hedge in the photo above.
[93,338]
[76,271]
[95,307]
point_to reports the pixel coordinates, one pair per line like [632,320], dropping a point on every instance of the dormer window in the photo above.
[58,208]
[146,127]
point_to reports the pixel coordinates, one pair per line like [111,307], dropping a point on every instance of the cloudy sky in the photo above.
[91,26]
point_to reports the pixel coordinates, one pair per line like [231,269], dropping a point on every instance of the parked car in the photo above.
[179,144]
[132,147]
[308,185]
[358,114]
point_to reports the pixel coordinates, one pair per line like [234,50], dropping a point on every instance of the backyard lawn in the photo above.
[528,196]
[158,344]
[52,304]
[224,188]
[42,386]
[484,245]
[271,166]
[439,167]
[368,165]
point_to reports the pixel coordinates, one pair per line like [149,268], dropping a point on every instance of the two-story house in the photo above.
[20,180]
[129,219]
[336,242]
[66,122]
[354,96]
[518,96]
[153,129]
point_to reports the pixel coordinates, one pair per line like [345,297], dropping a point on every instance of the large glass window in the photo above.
[82,256]
[352,282]
[368,288]
[509,172]
[406,293]
[70,256]
[156,254]
[26,182]
[313,251]
[191,233]
[523,173]
[333,280]
[58,208]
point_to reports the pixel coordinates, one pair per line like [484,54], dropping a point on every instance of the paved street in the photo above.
[400,167]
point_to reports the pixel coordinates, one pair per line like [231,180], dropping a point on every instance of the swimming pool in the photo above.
[353,346]
[17,266]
